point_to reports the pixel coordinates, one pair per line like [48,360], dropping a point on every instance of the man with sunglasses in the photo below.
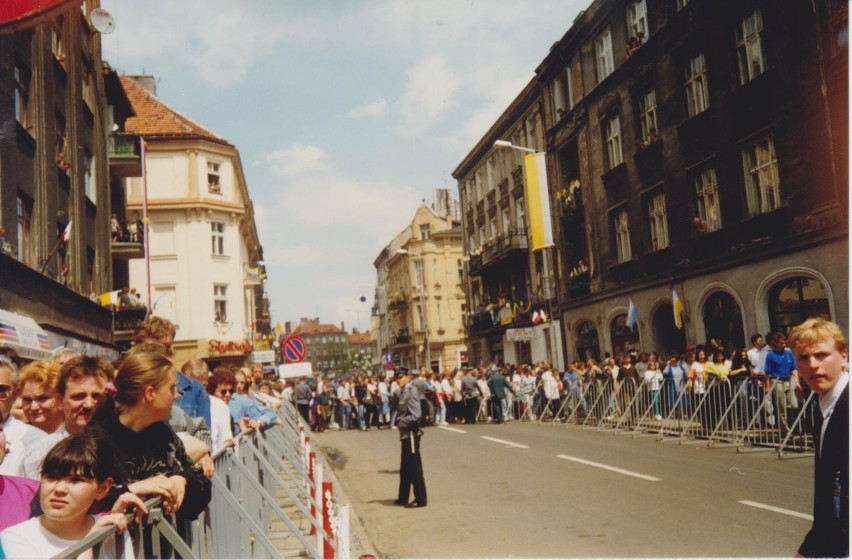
[19,436]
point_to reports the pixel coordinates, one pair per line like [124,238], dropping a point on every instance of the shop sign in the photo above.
[228,347]
[518,335]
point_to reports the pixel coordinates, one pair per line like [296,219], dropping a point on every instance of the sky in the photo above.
[346,113]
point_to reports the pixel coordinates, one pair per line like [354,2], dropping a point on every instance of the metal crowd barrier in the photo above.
[269,500]
[752,413]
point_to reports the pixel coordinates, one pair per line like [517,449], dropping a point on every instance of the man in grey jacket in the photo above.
[408,418]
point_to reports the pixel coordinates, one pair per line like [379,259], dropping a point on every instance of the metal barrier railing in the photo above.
[269,500]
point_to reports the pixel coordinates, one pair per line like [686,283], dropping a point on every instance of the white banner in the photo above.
[263,356]
[301,369]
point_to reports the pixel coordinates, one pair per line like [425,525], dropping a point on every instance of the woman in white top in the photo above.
[653,378]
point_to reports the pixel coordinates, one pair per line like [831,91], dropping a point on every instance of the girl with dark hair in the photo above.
[76,473]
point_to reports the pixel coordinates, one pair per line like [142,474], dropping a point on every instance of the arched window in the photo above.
[793,300]
[723,321]
[624,339]
[588,344]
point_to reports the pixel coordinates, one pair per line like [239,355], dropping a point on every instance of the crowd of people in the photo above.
[84,440]
[504,392]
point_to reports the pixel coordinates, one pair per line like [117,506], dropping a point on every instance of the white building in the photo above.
[201,269]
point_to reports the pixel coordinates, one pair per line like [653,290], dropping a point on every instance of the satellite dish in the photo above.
[102,21]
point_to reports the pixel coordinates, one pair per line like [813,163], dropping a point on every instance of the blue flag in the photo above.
[632,314]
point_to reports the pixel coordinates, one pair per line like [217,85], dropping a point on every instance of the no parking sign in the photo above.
[294,349]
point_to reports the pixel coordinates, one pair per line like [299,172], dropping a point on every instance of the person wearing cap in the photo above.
[408,419]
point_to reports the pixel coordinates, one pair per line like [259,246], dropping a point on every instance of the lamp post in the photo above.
[420,274]
[546,231]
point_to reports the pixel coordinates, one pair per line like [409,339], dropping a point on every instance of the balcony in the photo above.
[400,339]
[767,225]
[124,157]
[623,271]
[126,241]
[125,321]
[709,245]
[397,300]
[659,261]
[510,243]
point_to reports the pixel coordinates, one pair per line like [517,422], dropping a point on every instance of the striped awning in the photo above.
[23,335]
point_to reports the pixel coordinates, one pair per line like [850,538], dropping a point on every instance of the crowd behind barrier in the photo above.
[244,518]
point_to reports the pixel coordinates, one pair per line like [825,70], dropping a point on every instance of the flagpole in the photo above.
[50,255]
[145,224]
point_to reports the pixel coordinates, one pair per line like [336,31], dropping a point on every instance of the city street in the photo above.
[538,490]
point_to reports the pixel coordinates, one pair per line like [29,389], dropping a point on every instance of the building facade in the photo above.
[510,289]
[420,290]
[327,345]
[697,158]
[63,154]
[201,270]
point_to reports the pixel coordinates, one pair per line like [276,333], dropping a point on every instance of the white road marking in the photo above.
[504,442]
[609,468]
[777,509]
[456,430]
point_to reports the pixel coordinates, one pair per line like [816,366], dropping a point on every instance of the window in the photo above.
[492,224]
[89,177]
[637,20]
[220,303]
[750,56]
[696,86]
[22,96]
[165,302]
[603,55]
[648,116]
[62,159]
[793,300]
[425,231]
[478,185]
[707,202]
[563,93]
[24,222]
[506,222]
[91,261]
[657,222]
[681,4]
[622,236]
[761,170]
[218,237]
[613,141]
[57,42]
[520,214]
[213,178]
[489,174]
[88,89]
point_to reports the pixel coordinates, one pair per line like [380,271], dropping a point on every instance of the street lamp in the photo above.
[538,209]
[420,274]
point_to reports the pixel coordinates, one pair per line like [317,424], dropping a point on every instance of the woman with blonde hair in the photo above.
[40,399]
[151,459]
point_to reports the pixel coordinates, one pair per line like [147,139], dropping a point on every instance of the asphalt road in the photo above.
[538,490]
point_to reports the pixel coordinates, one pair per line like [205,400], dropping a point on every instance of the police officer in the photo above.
[408,418]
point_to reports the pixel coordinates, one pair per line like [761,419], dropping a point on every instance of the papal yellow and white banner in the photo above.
[538,201]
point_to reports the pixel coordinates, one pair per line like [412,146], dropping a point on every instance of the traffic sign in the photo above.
[294,349]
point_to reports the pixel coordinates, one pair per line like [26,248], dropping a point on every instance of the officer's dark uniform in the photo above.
[410,468]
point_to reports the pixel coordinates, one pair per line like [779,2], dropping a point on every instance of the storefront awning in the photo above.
[24,336]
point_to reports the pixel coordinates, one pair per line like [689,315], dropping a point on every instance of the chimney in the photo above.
[147,82]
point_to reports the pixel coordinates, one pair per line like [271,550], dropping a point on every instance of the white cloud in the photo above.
[377,108]
[297,159]
[429,94]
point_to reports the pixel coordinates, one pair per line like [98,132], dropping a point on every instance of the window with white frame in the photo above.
[750,56]
[696,85]
[531,131]
[520,214]
[622,236]
[563,93]
[613,141]
[425,231]
[761,177]
[707,201]
[22,96]
[489,174]
[657,221]
[213,176]
[680,4]
[637,20]
[603,55]
[481,232]
[218,237]
[492,224]
[504,213]
[480,194]
[648,116]
[220,303]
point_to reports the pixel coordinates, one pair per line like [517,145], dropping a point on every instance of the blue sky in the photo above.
[346,113]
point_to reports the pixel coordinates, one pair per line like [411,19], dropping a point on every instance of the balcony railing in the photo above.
[124,156]
[515,240]
[127,240]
